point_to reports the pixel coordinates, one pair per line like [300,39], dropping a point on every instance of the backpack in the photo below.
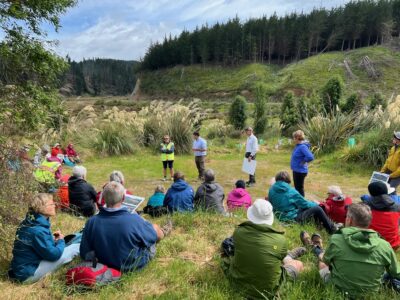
[91,273]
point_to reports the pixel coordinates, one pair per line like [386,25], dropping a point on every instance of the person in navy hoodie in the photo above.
[38,252]
[180,195]
[301,156]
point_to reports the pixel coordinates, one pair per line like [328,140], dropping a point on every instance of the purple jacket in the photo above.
[237,198]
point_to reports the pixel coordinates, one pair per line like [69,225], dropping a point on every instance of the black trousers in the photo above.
[298,180]
[319,216]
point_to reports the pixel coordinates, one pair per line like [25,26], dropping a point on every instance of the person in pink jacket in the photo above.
[239,197]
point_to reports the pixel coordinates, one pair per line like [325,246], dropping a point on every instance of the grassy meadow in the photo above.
[187,264]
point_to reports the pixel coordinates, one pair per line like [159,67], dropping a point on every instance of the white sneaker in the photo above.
[164,179]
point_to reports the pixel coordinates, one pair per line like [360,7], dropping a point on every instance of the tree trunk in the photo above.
[342,45]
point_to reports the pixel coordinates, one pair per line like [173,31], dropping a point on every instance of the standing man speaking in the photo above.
[251,151]
[200,152]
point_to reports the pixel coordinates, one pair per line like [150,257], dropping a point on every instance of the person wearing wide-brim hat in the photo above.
[392,164]
[260,258]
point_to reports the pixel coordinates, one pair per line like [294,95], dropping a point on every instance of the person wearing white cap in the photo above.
[251,151]
[392,164]
[260,252]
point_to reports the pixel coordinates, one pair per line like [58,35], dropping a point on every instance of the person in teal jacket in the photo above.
[157,199]
[289,205]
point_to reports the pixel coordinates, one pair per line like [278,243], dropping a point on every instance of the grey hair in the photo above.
[209,175]
[159,189]
[360,213]
[113,193]
[39,202]
[79,171]
[299,134]
[117,176]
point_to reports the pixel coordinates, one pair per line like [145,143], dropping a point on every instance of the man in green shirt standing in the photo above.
[357,257]
[260,261]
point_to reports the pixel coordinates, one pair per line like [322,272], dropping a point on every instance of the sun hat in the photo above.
[335,190]
[378,188]
[261,212]
[396,134]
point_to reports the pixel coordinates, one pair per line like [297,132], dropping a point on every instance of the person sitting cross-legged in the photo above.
[260,260]
[210,195]
[179,196]
[119,239]
[239,197]
[37,251]
[357,258]
[289,205]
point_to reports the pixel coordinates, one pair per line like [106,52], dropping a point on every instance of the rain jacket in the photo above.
[385,218]
[82,196]
[392,164]
[301,156]
[286,201]
[238,198]
[210,197]
[358,258]
[179,197]
[336,208]
[33,243]
[256,266]
[157,199]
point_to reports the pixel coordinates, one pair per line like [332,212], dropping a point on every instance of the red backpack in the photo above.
[91,274]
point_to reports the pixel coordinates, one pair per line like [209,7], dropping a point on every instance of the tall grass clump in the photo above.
[113,140]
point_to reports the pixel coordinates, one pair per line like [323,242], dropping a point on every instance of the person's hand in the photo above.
[58,235]
[249,159]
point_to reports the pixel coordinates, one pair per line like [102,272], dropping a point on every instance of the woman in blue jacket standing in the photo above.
[37,251]
[301,156]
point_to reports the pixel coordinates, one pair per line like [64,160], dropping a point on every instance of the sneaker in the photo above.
[316,240]
[167,228]
[297,252]
[317,250]
[305,239]
[172,179]
[164,179]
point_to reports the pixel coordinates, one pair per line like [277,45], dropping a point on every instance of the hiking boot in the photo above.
[316,240]
[317,250]
[336,227]
[167,228]
[297,252]
[305,239]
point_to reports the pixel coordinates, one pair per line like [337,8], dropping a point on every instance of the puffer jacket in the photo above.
[82,196]
[210,197]
[33,243]
[179,197]
[238,198]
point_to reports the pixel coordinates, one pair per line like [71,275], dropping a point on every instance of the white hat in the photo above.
[336,190]
[261,212]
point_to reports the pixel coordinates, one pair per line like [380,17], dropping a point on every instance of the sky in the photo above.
[124,29]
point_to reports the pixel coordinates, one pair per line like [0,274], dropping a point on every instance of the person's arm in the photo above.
[85,247]
[308,156]
[47,248]
[172,150]
[395,174]
[159,232]
[385,166]
[300,201]
[329,254]
[163,149]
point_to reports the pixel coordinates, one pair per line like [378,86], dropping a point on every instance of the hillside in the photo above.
[301,77]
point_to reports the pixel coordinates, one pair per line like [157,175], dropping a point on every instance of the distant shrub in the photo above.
[260,114]
[353,103]
[237,112]
[219,129]
[376,101]
[331,94]
[289,115]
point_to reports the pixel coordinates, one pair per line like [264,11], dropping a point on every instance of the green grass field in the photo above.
[187,264]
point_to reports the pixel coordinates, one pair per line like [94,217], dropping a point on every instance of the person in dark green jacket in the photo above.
[289,205]
[357,257]
[260,260]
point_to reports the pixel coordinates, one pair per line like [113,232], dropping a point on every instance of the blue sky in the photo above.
[123,29]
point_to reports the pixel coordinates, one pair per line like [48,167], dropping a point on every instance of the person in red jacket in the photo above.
[335,206]
[385,212]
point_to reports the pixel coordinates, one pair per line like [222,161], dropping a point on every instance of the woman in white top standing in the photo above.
[251,151]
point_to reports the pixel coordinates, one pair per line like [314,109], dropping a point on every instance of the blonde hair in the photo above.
[39,202]
[299,134]
[159,189]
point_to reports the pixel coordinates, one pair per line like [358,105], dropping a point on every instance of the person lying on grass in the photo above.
[357,258]
[289,205]
[210,195]
[119,239]
[37,252]
[260,260]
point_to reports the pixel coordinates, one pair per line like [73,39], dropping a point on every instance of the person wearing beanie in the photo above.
[335,206]
[385,212]
[260,258]
[239,197]
[392,164]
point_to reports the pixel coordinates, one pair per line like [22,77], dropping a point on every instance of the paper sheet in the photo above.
[249,167]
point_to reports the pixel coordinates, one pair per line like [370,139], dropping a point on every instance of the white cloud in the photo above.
[123,29]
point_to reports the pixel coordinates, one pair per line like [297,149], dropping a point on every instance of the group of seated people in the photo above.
[259,260]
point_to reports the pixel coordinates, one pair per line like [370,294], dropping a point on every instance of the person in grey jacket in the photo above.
[210,195]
